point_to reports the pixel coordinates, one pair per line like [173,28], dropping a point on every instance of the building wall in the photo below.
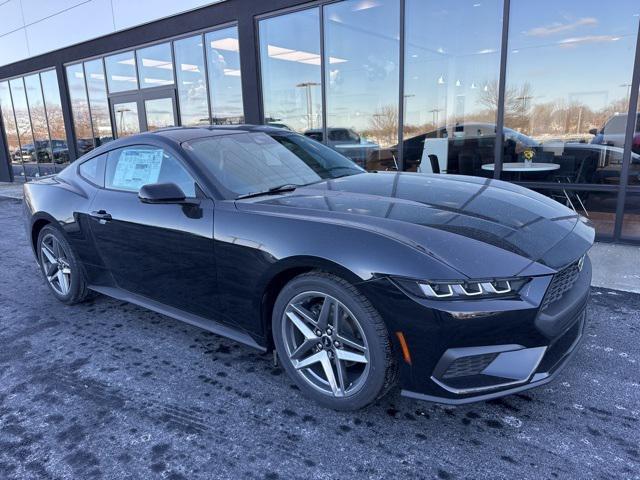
[33,27]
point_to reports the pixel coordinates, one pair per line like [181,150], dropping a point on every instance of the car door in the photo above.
[163,252]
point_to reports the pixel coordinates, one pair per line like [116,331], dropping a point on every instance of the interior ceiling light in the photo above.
[123,78]
[188,67]
[149,62]
[232,72]
[229,44]
[128,61]
[298,56]
[158,81]
[365,5]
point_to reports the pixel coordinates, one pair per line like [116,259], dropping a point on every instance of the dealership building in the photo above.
[543,94]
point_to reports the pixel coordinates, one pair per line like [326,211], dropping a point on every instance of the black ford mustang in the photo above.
[461,288]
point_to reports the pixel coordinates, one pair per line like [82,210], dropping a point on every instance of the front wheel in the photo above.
[332,342]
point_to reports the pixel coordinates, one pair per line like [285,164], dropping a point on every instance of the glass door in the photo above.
[144,111]
[160,113]
[126,118]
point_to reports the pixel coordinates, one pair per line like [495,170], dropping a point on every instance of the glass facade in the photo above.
[414,85]
[631,218]
[225,82]
[564,123]
[192,81]
[121,72]
[98,102]
[27,154]
[10,130]
[574,118]
[450,85]
[55,119]
[155,65]
[291,73]
[80,108]
[42,154]
[362,75]
[33,127]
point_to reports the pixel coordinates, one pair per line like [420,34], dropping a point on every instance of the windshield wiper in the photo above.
[286,187]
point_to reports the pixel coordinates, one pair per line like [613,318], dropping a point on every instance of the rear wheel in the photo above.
[60,266]
[332,342]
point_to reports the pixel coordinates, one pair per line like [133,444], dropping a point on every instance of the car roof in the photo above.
[183,134]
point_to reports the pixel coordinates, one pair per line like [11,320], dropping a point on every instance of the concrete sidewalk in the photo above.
[12,190]
[614,266]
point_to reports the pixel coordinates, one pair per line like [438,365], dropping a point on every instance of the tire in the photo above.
[67,264]
[362,361]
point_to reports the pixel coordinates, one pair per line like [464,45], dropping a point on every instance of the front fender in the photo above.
[252,248]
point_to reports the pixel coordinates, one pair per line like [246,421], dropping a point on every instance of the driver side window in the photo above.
[130,168]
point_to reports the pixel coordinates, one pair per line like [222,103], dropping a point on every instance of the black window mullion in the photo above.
[323,78]
[498,154]
[86,89]
[400,152]
[205,56]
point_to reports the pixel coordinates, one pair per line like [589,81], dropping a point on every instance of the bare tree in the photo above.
[517,103]
[383,125]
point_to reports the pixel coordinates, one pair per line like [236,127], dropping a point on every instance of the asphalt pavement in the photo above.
[109,390]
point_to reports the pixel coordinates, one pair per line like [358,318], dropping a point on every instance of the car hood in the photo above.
[462,221]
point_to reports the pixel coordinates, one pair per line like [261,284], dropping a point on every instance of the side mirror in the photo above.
[162,193]
[593,131]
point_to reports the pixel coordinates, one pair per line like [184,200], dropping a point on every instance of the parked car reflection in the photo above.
[613,132]
[348,143]
[42,152]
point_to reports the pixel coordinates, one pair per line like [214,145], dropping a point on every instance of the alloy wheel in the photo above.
[55,264]
[326,344]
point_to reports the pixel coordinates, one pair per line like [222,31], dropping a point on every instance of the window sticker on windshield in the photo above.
[136,168]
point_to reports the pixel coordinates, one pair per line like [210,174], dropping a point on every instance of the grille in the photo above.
[465,366]
[561,283]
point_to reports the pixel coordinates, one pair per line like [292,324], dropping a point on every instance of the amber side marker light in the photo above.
[405,348]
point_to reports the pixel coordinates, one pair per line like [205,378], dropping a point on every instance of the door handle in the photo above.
[101,215]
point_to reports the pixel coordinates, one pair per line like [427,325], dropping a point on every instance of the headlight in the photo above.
[464,289]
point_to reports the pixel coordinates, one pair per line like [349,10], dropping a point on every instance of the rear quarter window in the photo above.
[92,170]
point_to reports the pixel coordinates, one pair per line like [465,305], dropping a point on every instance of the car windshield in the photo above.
[255,162]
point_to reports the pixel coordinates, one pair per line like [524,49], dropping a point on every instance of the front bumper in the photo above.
[516,348]
[546,367]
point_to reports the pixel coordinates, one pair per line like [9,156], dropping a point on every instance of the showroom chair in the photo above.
[570,171]
[435,164]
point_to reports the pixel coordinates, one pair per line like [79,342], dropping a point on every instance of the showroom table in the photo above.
[521,167]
